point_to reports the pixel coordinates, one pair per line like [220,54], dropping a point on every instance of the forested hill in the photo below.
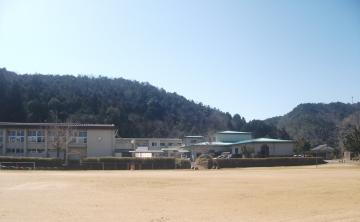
[137,109]
[319,123]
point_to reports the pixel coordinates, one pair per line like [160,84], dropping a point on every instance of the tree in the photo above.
[238,122]
[14,105]
[54,105]
[302,146]
[37,111]
[282,134]
[3,94]
[61,135]
[352,141]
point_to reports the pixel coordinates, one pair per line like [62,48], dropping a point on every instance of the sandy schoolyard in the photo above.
[327,193]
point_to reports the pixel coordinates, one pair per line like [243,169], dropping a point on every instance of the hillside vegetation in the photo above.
[141,110]
[137,109]
[319,123]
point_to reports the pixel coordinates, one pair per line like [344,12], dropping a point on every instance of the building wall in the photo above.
[188,141]
[2,140]
[232,137]
[198,150]
[151,143]
[97,142]
[275,149]
[100,142]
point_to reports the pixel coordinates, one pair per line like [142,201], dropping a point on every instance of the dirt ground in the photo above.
[327,193]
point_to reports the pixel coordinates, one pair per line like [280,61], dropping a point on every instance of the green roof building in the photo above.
[243,145]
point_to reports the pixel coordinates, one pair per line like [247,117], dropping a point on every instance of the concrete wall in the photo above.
[100,142]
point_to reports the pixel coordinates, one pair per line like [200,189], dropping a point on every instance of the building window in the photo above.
[9,150]
[80,137]
[19,150]
[236,150]
[16,136]
[162,144]
[36,136]
[12,150]
[170,144]
[153,144]
[36,150]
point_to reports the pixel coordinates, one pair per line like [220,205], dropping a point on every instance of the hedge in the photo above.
[107,163]
[267,162]
[182,164]
[126,163]
[39,161]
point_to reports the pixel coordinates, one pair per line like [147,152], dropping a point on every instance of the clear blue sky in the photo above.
[256,58]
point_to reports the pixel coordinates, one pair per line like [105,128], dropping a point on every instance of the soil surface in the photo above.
[328,193]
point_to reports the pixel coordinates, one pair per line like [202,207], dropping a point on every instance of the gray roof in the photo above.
[323,148]
[48,125]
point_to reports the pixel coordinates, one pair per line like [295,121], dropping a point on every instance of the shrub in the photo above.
[204,161]
[182,163]
[266,162]
[39,161]
[125,163]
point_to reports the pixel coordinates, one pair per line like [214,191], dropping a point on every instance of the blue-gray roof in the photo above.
[264,140]
[233,132]
[213,144]
[258,140]
[193,136]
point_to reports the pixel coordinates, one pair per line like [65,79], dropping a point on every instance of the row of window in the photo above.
[164,144]
[1,138]
[12,150]
[38,136]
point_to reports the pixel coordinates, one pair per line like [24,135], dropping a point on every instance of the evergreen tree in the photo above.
[352,141]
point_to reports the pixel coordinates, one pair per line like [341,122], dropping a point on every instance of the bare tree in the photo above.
[61,135]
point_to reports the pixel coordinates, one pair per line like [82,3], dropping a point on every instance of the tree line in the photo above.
[137,109]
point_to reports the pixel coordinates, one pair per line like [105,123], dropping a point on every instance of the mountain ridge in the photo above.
[139,109]
[319,123]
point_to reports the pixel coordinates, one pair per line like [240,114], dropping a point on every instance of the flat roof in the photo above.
[258,140]
[48,125]
[145,138]
[193,136]
[146,151]
[212,144]
[264,140]
[233,132]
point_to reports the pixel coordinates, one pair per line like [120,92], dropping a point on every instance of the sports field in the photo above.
[328,193]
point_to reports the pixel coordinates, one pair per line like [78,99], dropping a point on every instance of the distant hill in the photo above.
[137,109]
[319,123]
